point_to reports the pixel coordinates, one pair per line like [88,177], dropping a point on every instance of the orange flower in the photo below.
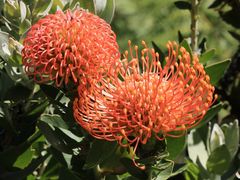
[69,46]
[144,99]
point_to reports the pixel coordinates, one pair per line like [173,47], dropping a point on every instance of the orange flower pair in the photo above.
[128,100]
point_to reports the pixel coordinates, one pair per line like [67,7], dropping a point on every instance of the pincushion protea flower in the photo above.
[144,99]
[69,45]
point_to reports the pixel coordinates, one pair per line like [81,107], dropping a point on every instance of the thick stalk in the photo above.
[194,24]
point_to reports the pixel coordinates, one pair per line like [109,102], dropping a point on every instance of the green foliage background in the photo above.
[160,20]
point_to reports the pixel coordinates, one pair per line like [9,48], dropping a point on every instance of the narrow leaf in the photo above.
[180,36]
[186,45]
[235,35]
[184,5]
[159,51]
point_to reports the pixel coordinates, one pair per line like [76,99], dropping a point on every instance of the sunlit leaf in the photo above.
[105,9]
[217,137]
[42,7]
[24,26]
[197,148]
[54,120]
[166,173]
[24,159]
[192,172]
[231,132]
[4,45]
[23,10]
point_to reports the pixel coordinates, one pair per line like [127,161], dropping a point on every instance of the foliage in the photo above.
[39,137]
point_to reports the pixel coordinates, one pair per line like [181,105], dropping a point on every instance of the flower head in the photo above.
[69,46]
[145,99]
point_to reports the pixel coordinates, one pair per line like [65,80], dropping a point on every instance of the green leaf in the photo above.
[215,4]
[57,4]
[159,51]
[179,170]
[42,7]
[180,36]
[24,159]
[175,146]
[231,132]
[217,137]
[67,174]
[8,157]
[203,45]
[99,151]
[23,10]
[206,56]
[197,148]
[5,84]
[209,115]
[56,138]
[105,9]
[87,5]
[11,10]
[22,174]
[219,160]
[52,170]
[216,70]
[235,35]
[186,45]
[166,173]
[132,169]
[5,52]
[227,16]
[192,172]
[17,93]
[24,26]
[184,5]
[54,120]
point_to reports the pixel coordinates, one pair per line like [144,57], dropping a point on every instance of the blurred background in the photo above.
[159,21]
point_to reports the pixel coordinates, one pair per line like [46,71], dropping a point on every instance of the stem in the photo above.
[194,24]
[150,173]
